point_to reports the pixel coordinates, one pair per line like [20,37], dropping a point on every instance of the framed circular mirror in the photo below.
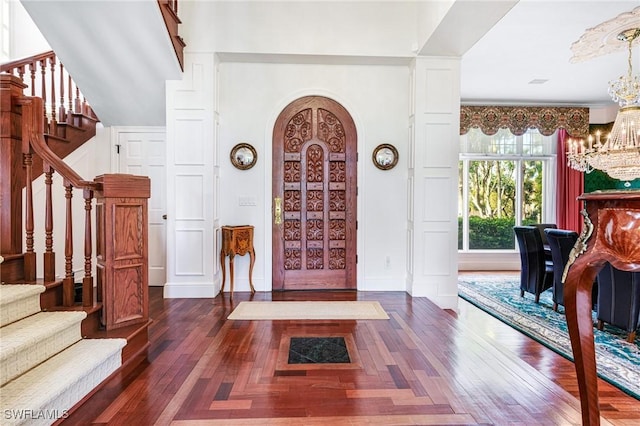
[385,156]
[243,156]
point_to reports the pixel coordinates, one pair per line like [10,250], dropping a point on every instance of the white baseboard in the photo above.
[190,290]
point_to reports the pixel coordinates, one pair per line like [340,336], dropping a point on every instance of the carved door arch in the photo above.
[314,193]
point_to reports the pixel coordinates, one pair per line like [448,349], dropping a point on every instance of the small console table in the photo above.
[611,233]
[237,240]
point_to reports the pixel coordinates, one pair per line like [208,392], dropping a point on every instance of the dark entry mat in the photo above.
[318,350]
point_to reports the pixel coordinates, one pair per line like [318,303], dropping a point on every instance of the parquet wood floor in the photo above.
[423,366]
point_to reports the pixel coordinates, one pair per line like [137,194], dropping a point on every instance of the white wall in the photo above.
[192,183]
[603,115]
[21,38]
[435,121]
[251,97]
[328,28]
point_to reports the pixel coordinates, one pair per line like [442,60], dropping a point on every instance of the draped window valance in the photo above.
[518,119]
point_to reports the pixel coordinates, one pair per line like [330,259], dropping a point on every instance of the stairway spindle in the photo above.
[87,281]
[70,100]
[43,81]
[77,107]
[32,68]
[62,118]
[29,255]
[20,70]
[53,124]
[68,286]
[49,255]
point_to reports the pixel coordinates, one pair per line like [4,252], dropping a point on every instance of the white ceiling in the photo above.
[532,41]
[504,44]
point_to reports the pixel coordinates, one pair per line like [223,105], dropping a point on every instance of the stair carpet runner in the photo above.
[46,367]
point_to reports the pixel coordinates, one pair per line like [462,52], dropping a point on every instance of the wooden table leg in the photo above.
[252,256]
[231,256]
[577,302]
[222,262]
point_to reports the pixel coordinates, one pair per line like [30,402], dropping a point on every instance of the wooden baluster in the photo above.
[62,114]
[30,255]
[32,68]
[77,108]
[53,125]
[49,255]
[43,81]
[20,70]
[70,101]
[68,286]
[87,281]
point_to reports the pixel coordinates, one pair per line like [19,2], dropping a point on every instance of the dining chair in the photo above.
[561,241]
[536,272]
[619,300]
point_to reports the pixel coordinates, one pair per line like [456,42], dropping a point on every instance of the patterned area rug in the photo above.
[618,362]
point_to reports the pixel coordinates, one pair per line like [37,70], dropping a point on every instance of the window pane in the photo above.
[476,142]
[505,143]
[532,192]
[492,194]
[533,143]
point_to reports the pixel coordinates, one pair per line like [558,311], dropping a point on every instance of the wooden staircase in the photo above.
[32,144]
[69,119]
[46,364]
[44,117]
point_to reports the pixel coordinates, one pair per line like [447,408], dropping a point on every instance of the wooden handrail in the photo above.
[33,135]
[46,77]
[33,141]
[8,67]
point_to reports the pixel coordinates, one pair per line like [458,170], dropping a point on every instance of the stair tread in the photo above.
[31,330]
[10,293]
[76,370]
[18,301]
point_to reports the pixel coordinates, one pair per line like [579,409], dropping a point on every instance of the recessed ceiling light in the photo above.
[538,81]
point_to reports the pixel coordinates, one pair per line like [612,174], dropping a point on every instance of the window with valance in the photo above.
[508,169]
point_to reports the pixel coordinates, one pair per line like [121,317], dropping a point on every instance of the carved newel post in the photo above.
[11,176]
[122,248]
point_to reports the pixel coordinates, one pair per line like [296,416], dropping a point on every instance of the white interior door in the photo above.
[143,153]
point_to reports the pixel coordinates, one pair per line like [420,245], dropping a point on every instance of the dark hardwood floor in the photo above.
[422,366]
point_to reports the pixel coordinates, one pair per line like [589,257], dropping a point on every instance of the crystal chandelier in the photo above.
[619,155]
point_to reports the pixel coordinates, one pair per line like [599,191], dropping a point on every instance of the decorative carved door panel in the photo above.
[314,191]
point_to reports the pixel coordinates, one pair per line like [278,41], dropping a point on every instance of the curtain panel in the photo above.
[569,186]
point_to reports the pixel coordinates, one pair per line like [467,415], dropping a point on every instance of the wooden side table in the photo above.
[237,240]
[611,234]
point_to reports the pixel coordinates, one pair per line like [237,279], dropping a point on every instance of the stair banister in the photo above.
[47,85]
[33,140]
[121,234]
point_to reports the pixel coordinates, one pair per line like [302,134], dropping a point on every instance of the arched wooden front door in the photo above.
[314,196]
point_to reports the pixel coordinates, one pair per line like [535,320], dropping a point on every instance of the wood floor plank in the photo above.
[422,366]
